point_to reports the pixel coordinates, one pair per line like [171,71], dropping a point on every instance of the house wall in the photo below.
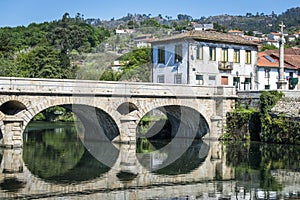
[262,78]
[169,69]
[208,69]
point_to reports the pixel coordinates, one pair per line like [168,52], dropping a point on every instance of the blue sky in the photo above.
[23,12]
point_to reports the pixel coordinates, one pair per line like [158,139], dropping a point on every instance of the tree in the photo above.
[268,47]
[137,67]
[150,23]
[44,62]
[6,46]
[250,33]
[219,28]
[183,17]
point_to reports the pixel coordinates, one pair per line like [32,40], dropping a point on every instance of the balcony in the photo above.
[225,66]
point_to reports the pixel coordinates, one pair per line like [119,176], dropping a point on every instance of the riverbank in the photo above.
[264,123]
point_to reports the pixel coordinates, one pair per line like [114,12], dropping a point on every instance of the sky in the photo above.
[24,12]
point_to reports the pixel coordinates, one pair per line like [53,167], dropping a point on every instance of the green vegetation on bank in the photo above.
[262,125]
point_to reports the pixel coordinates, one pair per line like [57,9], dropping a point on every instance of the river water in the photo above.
[55,163]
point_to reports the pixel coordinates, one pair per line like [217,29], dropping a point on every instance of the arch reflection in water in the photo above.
[162,161]
[58,154]
[179,126]
[11,184]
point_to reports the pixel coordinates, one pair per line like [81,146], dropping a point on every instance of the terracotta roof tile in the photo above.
[209,36]
[291,58]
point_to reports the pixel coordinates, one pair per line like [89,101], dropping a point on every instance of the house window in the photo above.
[212,53]
[178,78]
[178,53]
[236,56]
[248,57]
[199,53]
[212,78]
[161,55]
[161,78]
[199,79]
[224,55]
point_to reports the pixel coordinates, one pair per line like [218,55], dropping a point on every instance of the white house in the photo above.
[204,58]
[236,32]
[268,68]
[274,36]
[202,27]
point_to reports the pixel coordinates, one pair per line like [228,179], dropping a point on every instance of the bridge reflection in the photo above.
[22,178]
[201,172]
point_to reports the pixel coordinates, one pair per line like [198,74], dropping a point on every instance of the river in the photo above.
[55,163]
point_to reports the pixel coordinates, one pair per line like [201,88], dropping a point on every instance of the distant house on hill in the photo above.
[236,32]
[143,40]
[270,42]
[268,68]
[204,58]
[202,27]
[274,36]
[125,31]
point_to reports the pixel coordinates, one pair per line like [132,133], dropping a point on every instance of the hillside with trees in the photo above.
[43,50]
[262,22]
[74,47]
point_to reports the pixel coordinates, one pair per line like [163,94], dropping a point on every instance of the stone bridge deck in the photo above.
[12,85]
[119,105]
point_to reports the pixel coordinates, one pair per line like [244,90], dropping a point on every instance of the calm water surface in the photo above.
[54,164]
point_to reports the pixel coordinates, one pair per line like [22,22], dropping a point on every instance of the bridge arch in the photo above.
[76,105]
[188,103]
[179,121]
[94,120]
[188,111]
[100,115]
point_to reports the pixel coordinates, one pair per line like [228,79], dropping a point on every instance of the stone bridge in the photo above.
[114,108]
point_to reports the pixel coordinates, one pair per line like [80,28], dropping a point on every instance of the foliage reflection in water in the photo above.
[269,168]
[58,154]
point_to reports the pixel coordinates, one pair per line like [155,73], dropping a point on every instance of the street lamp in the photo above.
[237,80]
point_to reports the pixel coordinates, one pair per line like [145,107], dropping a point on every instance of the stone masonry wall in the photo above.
[288,106]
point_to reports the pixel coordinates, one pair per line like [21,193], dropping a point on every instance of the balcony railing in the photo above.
[224,65]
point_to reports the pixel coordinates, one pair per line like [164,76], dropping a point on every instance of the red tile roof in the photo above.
[291,58]
[209,36]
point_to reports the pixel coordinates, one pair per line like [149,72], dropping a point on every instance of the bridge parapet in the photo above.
[86,87]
